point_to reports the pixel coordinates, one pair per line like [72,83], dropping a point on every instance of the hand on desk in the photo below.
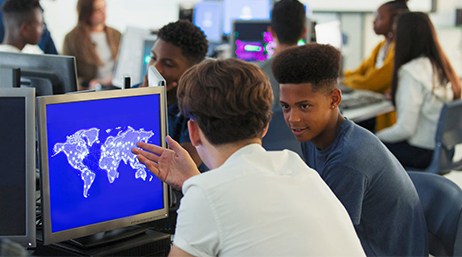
[173,166]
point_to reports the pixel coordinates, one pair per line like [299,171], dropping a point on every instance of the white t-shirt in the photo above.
[105,54]
[261,203]
[28,49]
[419,100]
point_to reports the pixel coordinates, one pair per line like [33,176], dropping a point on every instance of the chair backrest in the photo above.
[279,136]
[441,200]
[448,135]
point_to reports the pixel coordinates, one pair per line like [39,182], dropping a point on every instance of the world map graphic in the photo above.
[80,146]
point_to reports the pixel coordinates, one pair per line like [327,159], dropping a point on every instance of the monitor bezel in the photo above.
[42,102]
[225,21]
[42,64]
[28,240]
[233,39]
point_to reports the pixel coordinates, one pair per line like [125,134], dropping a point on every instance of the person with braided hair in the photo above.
[376,72]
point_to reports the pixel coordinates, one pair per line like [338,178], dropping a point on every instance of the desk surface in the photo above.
[367,111]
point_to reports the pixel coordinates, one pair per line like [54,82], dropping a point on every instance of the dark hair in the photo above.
[312,63]
[288,21]
[395,8]
[188,37]
[85,10]
[20,11]
[415,37]
[229,99]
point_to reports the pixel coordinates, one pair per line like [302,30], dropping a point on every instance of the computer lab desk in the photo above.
[369,111]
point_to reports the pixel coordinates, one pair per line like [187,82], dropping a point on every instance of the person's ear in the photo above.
[302,36]
[265,130]
[194,133]
[335,98]
[23,29]
[271,31]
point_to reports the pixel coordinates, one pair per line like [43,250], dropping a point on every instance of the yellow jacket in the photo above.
[378,80]
[368,77]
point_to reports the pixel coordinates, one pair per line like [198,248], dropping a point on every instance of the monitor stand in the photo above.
[149,243]
[108,236]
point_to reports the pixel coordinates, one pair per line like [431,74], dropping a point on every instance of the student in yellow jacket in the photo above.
[376,72]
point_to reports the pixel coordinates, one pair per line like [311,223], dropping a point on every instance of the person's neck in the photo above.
[281,47]
[215,156]
[327,137]
[98,28]
[14,40]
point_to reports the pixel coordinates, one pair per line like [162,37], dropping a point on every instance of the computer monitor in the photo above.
[17,165]
[131,56]
[329,33]
[244,10]
[91,181]
[251,41]
[48,74]
[208,17]
[148,43]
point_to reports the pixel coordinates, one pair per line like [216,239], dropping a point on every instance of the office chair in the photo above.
[441,201]
[448,135]
[279,136]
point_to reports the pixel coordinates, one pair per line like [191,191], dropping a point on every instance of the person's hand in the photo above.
[173,166]
[388,94]
[145,81]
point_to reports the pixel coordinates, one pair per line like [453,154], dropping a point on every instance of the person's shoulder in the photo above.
[358,141]
[421,69]
[264,65]
[113,31]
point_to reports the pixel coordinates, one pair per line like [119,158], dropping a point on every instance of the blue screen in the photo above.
[207,16]
[93,176]
[244,10]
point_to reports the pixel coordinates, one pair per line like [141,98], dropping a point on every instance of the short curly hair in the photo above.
[313,63]
[288,21]
[229,99]
[188,37]
[20,11]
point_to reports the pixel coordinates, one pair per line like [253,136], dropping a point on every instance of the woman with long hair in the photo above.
[93,44]
[423,81]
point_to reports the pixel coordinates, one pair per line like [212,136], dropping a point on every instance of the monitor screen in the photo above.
[208,17]
[91,181]
[48,74]
[329,33]
[17,165]
[251,40]
[244,10]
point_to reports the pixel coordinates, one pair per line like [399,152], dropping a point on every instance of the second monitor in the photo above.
[48,74]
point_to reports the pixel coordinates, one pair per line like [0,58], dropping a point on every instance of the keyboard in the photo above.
[360,98]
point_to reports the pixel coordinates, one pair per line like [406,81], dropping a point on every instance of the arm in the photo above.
[409,100]
[175,251]
[371,78]
[173,166]
[366,64]
[349,186]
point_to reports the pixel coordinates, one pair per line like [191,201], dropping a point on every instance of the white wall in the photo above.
[61,15]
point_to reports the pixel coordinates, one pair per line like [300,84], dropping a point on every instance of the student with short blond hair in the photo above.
[252,202]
